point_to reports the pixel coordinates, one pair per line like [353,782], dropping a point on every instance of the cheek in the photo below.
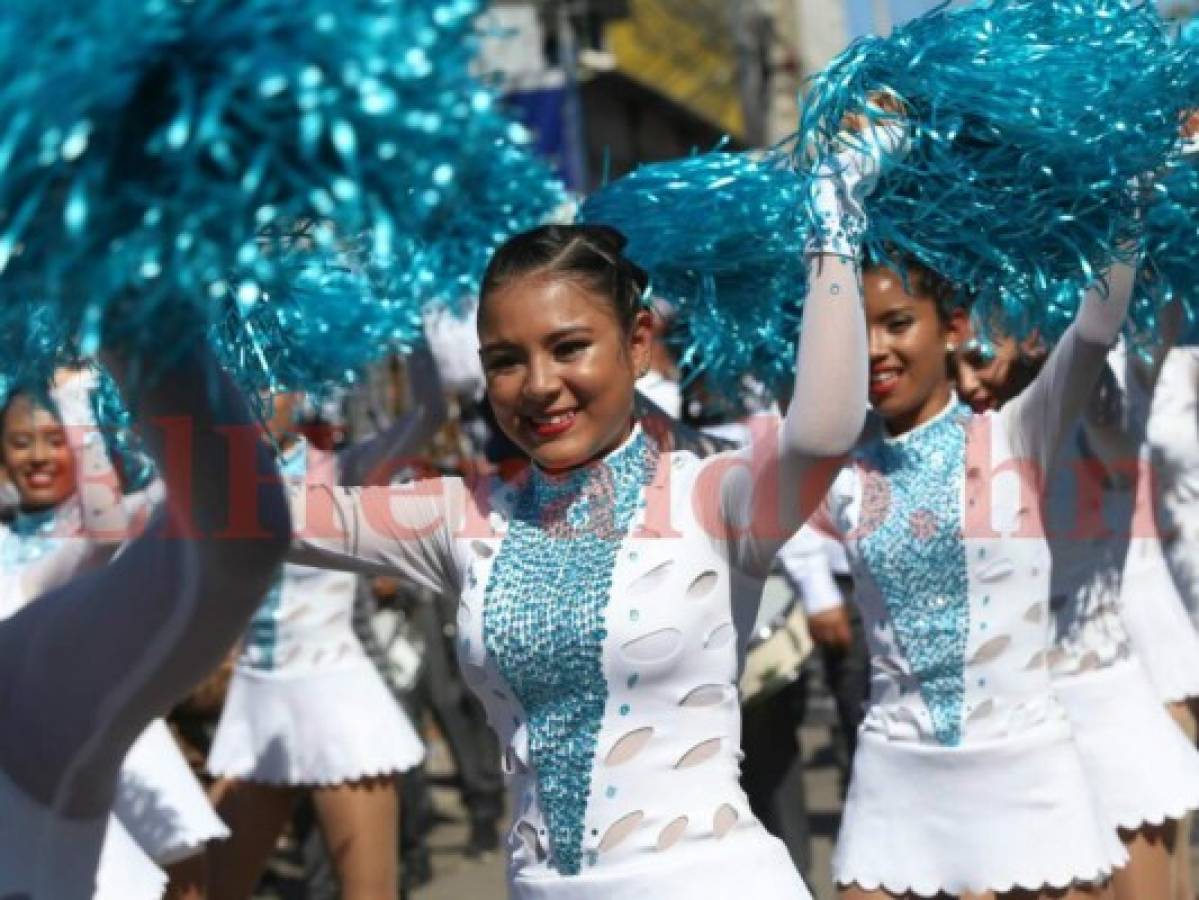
[503,392]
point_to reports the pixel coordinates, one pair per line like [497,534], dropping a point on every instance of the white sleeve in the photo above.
[805,563]
[404,530]
[1050,407]
[775,483]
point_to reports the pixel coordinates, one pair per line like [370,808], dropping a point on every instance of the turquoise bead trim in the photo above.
[918,560]
[262,634]
[30,537]
[543,623]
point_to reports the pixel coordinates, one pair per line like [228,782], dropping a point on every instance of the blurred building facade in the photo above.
[608,84]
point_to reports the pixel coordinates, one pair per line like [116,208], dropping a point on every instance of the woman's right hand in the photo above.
[846,177]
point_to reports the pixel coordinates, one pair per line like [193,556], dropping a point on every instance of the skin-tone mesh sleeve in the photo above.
[1050,407]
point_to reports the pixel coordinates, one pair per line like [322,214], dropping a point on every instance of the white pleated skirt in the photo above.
[161,803]
[746,863]
[1141,766]
[1158,623]
[994,816]
[323,728]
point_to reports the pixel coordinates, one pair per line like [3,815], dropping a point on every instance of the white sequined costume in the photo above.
[306,706]
[603,621]
[1140,765]
[966,777]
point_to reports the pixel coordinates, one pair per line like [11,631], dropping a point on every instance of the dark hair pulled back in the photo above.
[589,254]
[922,281]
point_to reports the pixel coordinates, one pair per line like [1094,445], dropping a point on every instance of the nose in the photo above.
[39,451]
[542,382]
[968,383]
[878,344]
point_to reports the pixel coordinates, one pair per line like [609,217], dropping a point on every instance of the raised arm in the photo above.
[1039,417]
[118,646]
[786,470]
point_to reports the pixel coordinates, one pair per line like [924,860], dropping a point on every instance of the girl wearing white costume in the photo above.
[158,802]
[105,659]
[1162,565]
[306,707]
[966,778]
[1173,441]
[607,597]
[1141,767]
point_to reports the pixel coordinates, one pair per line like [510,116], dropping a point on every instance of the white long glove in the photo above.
[841,183]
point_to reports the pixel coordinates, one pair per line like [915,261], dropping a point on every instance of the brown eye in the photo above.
[568,349]
[499,363]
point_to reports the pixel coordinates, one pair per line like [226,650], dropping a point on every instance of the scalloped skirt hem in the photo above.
[998,816]
[320,729]
[1138,761]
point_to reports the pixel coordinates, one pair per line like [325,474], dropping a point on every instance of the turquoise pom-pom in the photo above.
[1029,120]
[163,155]
[721,235]
[1170,269]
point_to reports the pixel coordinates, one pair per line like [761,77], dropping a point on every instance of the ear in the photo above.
[641,340]
[957,327]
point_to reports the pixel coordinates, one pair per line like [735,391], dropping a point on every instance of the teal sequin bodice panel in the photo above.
[544,622]
[914,549]
[31,536]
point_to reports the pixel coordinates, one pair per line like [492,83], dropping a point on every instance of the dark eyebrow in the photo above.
[552,337]
[566,332]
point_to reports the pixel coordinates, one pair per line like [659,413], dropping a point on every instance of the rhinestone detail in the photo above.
[543,623]
[918,559]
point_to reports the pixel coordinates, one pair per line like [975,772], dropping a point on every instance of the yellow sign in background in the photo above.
[685,50]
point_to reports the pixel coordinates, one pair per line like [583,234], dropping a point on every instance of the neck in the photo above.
[933,404]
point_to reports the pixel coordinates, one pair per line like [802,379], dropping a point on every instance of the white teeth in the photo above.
[882,377]
[553,420]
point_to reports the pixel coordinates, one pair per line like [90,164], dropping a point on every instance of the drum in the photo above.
[779,645]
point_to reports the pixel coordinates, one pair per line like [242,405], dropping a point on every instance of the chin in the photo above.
[554,457]
[40,499]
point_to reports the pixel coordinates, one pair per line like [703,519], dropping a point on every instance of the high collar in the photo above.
[39,521]
[951,410]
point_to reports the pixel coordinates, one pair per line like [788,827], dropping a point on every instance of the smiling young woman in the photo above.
[36,453]
[564,337]
[88,664]
[158,802]
[1117,617]
[607,593]
[964,740]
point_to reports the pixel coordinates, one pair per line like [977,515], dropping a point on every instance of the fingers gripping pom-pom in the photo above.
[1028,120]
[722,238]
[160,154]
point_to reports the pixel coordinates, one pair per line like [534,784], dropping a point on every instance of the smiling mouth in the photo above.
[883,382]
[40,479]
[551,425]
